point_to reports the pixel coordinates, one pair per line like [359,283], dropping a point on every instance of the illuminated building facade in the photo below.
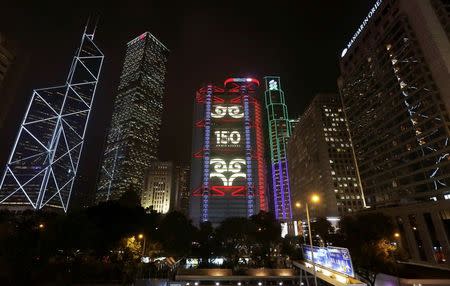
[279,127]
[44,161]
[133,138]
[397,104]
[182,178]
[395,88]
[158,193]
[321,160]
[228,169]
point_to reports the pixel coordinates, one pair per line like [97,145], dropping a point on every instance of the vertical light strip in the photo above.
[260,157]
[248,151]
[206,150]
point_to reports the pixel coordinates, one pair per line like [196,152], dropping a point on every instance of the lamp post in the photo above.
[142,237]
[314,199]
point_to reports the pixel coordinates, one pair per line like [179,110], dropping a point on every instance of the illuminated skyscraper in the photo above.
[321,160]
[228,170]
[133,138]
[279,127]
[396,94]
[44,162]
[395,89]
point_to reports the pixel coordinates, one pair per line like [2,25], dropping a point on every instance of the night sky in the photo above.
[209,41]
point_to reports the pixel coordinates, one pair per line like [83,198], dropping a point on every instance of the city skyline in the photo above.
[274,143]
[183,31]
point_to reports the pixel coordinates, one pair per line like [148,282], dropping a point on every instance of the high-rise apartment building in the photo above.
[182,181]
[133,138]
[279,127]
[44,161]
[158,193]
[228,169]
[395,88]
[321,160]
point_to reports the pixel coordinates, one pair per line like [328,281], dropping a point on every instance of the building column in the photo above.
[409,236]
[441,234]
[426,239]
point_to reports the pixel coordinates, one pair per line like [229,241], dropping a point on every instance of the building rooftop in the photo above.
[147,34]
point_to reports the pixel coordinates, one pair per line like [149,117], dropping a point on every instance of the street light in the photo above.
[142,237]
[41,226]
[315,199]
[396,235]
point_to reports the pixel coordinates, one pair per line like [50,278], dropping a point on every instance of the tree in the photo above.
[323,228]
[176,233]
[368,237]
[266,238]
[235,235]
[205,243]
[130,199]
[291,247]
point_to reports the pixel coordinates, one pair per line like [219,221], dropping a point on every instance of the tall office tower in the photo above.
[321,160]
[279,131]
[133,138]
[158,193]
[395,87]
[182,178]
[44,161]
[228,170]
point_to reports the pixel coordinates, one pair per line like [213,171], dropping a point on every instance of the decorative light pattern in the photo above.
[234,167]
[233,111]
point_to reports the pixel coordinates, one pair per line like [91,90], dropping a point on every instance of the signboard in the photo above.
[361,27]
[340,260]
[335,258]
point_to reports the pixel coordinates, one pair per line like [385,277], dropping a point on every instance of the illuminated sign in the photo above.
[335,258]
[273,85]
[227,137]
[361,27]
